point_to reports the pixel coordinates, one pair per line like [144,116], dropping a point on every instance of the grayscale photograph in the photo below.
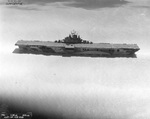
[74,59]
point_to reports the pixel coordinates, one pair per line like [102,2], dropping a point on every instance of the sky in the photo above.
[113,21]
[104,88]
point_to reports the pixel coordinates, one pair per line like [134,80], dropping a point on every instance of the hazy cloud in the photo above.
[144,6]
[43,2]
[24,7]
[96,4]
[85,4]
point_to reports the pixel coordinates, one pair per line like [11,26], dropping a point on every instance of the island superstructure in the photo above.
[74,45]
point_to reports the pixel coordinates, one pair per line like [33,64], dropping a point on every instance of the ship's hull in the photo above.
[22,51]
[92,50]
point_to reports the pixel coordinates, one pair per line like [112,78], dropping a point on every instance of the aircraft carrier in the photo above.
[73,45]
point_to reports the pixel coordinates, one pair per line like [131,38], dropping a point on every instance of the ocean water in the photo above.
[113,88]
[75,87]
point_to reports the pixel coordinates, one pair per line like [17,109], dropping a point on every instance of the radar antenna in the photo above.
[73,32]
